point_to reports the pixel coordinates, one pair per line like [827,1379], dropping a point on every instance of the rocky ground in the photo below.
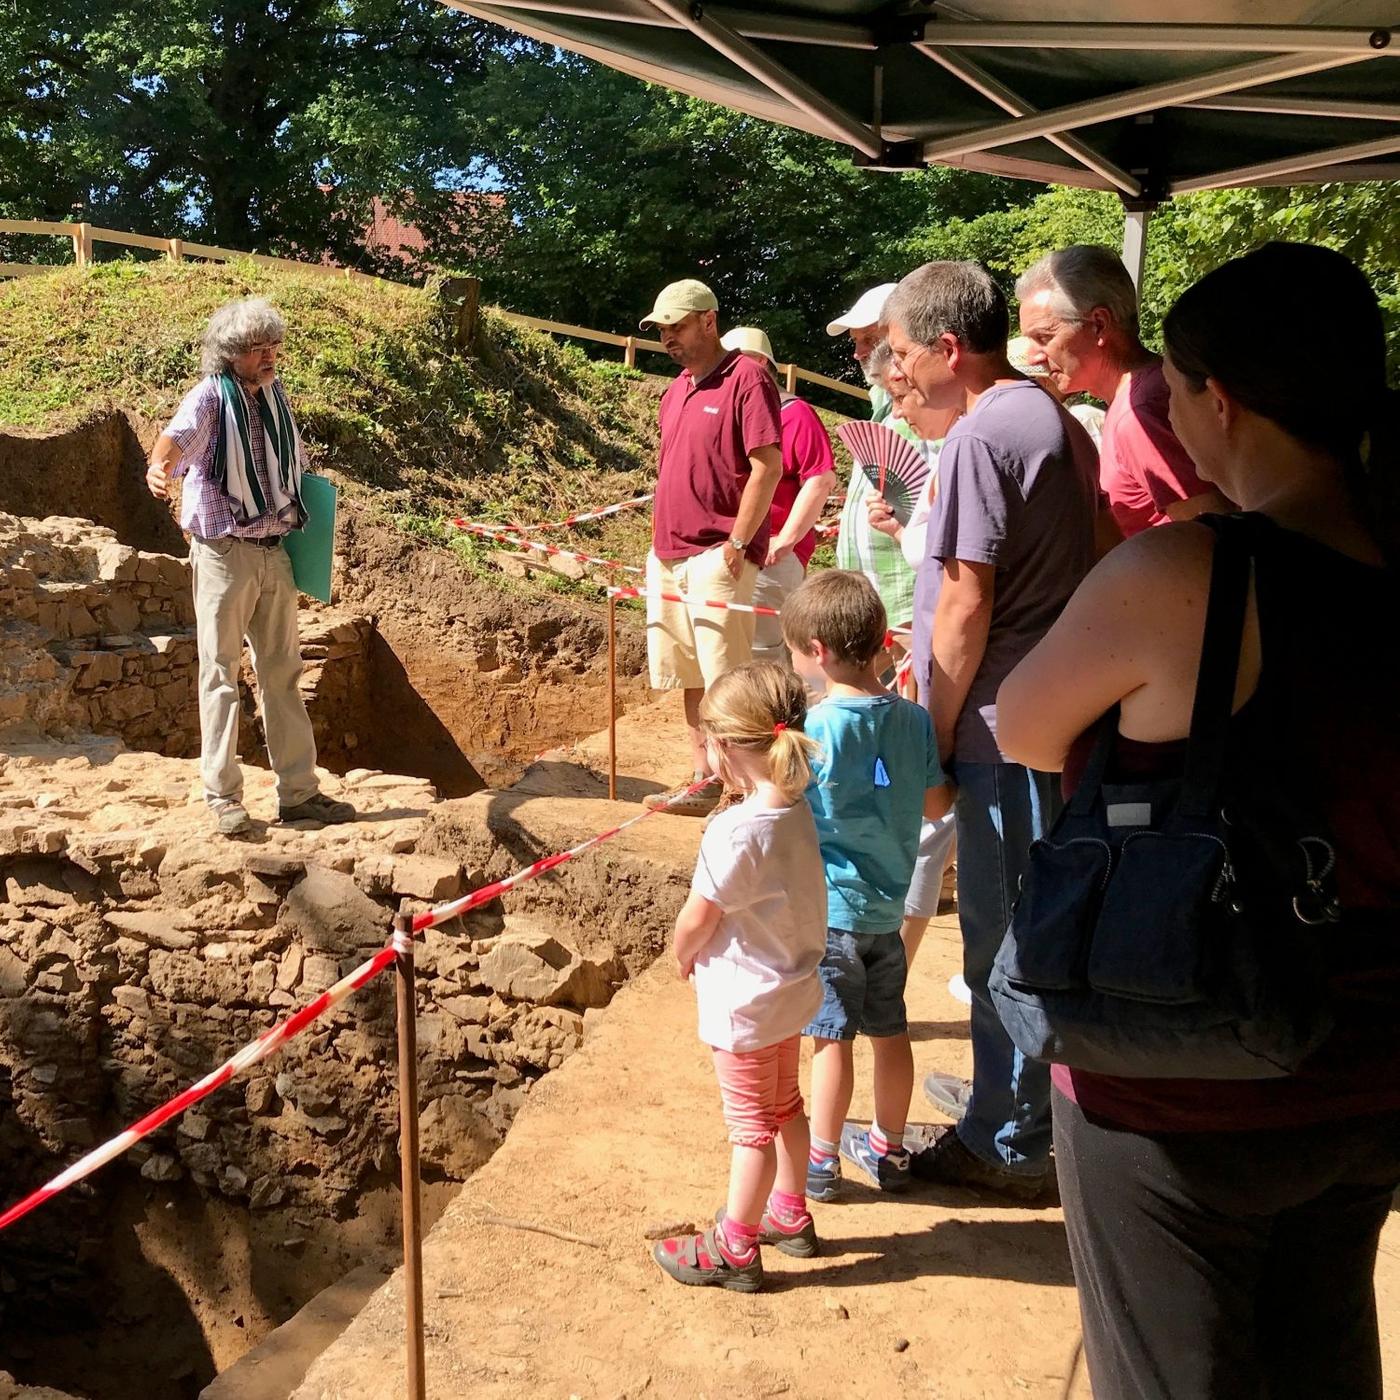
[538,1276]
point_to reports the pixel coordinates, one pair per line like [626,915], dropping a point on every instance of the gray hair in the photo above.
[950,298]
[877,363]
[235,328]
[1081,278]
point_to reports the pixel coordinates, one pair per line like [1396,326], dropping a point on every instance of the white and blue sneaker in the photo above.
[824,1179]
[887,1171]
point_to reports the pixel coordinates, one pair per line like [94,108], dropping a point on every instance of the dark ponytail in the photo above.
[1238,325]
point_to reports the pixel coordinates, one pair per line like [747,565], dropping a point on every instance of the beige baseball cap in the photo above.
[749,338]
[677,300]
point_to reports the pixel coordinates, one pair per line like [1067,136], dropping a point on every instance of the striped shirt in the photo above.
[867,551]
[205,510]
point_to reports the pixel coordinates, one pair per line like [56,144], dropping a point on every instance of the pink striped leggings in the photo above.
[760,1091]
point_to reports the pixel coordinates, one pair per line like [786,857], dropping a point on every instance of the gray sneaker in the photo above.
[948,1093]
[233,820]
[682,804]
[318,808]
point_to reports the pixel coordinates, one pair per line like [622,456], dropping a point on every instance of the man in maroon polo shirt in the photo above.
[720,462]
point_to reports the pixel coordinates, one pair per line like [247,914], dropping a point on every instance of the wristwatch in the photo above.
[737,544]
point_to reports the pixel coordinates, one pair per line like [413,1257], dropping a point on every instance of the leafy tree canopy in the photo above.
[259,124]
[272,124]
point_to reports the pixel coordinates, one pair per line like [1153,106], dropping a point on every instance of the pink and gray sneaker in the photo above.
[699,1260]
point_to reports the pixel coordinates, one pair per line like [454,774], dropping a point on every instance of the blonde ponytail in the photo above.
[761,707]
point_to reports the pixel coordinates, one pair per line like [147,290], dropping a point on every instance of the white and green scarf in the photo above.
[232,469]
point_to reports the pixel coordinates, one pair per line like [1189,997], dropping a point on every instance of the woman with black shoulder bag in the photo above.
[1208,944]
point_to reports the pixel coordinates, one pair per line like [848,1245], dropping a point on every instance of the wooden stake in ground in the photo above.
[408,1157]
[612,699]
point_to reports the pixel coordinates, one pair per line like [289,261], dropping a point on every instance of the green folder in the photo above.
[312,548]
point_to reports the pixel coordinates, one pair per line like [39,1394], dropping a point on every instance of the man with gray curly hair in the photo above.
[235,442]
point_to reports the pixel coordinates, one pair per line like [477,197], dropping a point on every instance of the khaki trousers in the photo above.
[774,585]
[243,590]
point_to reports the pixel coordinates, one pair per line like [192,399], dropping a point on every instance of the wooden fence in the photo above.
[83,237]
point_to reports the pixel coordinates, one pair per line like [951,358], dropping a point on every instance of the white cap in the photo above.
[749,338]
[866,311]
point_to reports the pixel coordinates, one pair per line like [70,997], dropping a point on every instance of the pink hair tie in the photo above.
[779,727]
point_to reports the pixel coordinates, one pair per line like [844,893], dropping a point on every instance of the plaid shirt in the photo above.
[867,551]
[205,511]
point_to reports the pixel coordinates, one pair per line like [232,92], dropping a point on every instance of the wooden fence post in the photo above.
[629,355]
[463,293]
[82,245]
[177,249]
[792,379]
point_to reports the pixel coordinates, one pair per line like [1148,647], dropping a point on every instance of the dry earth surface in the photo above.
[939,1293]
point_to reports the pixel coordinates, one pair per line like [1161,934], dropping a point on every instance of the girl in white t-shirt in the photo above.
[751,937]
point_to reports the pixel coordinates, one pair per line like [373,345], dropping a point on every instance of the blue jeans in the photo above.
[1001,808]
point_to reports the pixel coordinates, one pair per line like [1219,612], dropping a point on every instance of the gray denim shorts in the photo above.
[862,977]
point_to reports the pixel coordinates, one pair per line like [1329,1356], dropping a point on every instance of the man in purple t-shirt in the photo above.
[1079,309]
[720,461]
[1011,536]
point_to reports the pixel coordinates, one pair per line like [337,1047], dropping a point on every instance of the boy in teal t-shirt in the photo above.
[877,776]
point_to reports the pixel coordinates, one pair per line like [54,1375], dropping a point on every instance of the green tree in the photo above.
[1186,237]
[614,188]
[261,124]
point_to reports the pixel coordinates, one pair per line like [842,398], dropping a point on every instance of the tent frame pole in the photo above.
[1136,217]
[1180,38]
[996,91]
[1289,165]
[1058,120]
[745,54]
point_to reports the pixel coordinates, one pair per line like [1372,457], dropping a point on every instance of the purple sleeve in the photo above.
[975,502]
[760,411]
[806,447]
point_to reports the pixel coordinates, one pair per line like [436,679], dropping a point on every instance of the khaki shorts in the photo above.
[689,648]
[774,585]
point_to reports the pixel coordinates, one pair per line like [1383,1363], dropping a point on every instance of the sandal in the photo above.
[697,1260]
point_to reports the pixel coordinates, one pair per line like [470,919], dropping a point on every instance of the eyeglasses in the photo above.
[902,362]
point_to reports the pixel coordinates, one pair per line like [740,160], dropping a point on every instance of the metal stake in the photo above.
[612,699]
[408,1160]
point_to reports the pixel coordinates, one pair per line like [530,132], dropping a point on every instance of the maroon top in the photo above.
[708,431]
[806,453]
[1143,469]
[1338,666]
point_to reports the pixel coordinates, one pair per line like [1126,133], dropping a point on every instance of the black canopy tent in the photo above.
[1137,96]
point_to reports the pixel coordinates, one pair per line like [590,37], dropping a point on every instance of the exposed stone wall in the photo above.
[129,967]
[99,637]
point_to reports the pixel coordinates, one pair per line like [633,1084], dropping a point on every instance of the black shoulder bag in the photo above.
[1171,929]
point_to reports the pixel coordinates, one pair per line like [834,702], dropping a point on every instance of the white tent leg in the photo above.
[1135,223]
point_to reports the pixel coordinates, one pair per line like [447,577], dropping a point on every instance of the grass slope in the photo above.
[380,397]
[527,428]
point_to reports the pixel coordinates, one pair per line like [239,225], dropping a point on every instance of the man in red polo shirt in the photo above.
[1079,307]
[720,462]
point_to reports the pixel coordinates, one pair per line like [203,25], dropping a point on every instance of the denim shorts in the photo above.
[862,976]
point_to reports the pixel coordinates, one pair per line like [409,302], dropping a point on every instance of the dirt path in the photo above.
[936,1294]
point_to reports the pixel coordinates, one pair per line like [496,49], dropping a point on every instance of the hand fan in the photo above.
[893,465]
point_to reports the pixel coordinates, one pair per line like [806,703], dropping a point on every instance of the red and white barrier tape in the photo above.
[690,602]
[274,1039]
[503,534]
[588,515]
[266,1044]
